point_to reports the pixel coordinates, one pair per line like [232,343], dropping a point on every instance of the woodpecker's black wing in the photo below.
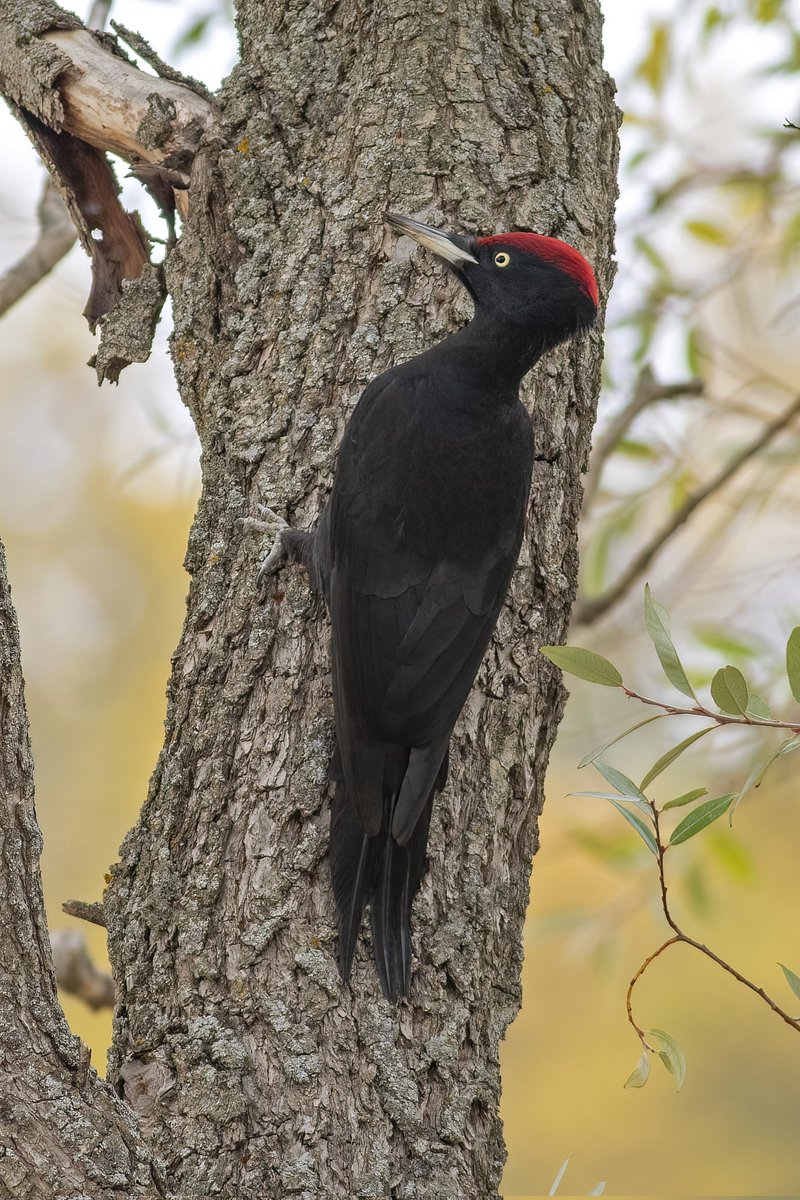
[423,530]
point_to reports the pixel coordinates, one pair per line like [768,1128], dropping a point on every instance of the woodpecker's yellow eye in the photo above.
[502,259]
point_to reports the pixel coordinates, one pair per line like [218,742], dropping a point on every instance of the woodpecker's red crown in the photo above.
[566,258]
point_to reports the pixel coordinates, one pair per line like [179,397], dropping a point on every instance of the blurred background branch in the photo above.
[76,974]
[56,238]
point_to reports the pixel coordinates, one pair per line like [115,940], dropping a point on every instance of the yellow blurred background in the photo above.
[97,490]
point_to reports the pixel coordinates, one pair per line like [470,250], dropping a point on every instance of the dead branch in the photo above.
[91,911]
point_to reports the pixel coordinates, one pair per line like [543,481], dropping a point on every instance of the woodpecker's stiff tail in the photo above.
[379,872]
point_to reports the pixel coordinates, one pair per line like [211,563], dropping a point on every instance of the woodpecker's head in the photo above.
[529,281]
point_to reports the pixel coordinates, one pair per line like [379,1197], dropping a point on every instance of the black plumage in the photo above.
[414,552]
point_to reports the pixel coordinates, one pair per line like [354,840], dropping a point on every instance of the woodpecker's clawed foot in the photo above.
[273,560]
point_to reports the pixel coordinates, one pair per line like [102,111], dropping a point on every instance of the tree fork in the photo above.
[251,1069]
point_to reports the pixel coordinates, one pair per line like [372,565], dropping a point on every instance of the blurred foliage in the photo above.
[708,290]
[96,493]
[737,706]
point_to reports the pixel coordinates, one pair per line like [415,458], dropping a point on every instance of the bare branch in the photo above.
[91,911]
[591,610]
[647,391]
[57,236]
[75,971]
[699,710]
[680,936]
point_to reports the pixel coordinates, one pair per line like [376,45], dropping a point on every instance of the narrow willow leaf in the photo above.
[756,776]
[731,855]
[583,663]
[686,798]
[702,816]
[644,831]
[729,691]
[598,1189]
[792,979]
[793,661]
[624,785]
[672,754]
[653,67]
[723,642]
[670,1054]
[640,1073]
[656,618]
[706,231]
[559,1176]
[589,758]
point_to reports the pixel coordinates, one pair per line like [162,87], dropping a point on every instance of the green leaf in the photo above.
[729,691]
[589,758]
[686,798]
[766,11]
[792,979]
[670,1054]
[694,884]
[633,448]
[757,708]
[651,254]
[583,663]
[732,855]
[701,817]
[695,351]
[756,776]
[624,785]
[714,638]
[713,19]
[598,1189]
[706,231]
[793,661]
[645,833]
[655,64]
[670,756]
[656,618]
[193,34]
[640,1073]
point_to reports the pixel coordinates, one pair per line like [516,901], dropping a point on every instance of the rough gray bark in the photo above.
[63,1132]
[253,1072]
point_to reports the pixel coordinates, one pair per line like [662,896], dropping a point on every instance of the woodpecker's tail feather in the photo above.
[379,872]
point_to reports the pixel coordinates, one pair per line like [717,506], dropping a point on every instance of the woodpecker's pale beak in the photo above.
[449,246]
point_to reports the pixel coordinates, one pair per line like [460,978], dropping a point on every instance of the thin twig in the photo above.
[699,710]
[590,610]
[646,392]
[629,998]
[680,936]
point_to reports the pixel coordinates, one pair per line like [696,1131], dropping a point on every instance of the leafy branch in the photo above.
[736,704]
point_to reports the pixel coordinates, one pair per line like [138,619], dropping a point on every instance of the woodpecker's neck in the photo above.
[502,352]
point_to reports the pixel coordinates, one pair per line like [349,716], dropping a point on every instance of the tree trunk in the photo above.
[252,1070]
[62,1131]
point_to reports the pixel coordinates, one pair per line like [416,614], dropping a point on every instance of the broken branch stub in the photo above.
[79,97]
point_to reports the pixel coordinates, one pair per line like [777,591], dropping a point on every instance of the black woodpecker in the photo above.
[414,553]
